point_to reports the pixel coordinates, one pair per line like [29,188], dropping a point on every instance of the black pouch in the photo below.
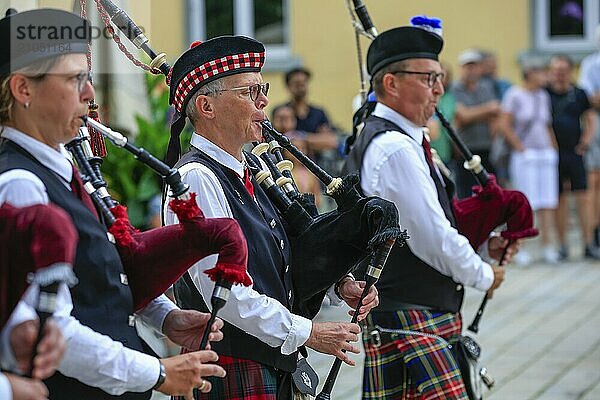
[467,352]
[305,378]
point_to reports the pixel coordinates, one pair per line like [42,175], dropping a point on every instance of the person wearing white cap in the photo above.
[476,111]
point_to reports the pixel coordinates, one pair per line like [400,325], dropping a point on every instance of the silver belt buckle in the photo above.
[375,338]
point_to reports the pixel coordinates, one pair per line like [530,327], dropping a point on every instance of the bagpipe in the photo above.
[328,246]
[157,258]
[477,216]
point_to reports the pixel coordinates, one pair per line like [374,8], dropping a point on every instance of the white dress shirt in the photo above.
[5,388]
[394,168]
[254,313]
[92,358]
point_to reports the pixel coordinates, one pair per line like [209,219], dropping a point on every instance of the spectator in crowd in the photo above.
[589,80]
[285,122]
[489,74]
[570,106]
[526,122]
[447,106]
[476,111]
[310,119]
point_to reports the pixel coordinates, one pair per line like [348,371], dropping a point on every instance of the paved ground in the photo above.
[539,335]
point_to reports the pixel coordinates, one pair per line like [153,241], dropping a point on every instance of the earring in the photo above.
[26,105]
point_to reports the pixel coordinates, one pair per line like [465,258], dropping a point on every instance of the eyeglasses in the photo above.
[81,79]
[253,90]
[432,77]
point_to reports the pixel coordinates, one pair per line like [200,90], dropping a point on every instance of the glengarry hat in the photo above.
[422,40]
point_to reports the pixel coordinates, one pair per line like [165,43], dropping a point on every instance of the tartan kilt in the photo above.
[245,380]
[413,366]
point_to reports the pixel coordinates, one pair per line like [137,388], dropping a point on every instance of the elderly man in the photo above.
[217,85]
[422,288]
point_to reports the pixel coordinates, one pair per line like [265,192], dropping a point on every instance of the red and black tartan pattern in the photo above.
[245,380]
[415,367]
[212,68]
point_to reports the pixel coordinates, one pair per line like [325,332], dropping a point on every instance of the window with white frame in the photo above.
[264,20]
[566,26]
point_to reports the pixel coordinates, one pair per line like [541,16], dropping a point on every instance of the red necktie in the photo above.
[427,150]
[79,191]
[248,182]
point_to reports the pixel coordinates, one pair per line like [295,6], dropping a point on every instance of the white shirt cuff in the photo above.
[484,251]
[334,299]
[298,335]
[156,311]
[21,313]
[486,279]
[5,388]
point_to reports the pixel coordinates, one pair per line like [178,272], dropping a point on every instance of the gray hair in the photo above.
[210,89]
[36,70]
[377,80]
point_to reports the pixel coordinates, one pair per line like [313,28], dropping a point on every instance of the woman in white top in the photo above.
[526,123]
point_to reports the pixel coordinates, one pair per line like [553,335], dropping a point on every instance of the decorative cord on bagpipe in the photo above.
[195,237]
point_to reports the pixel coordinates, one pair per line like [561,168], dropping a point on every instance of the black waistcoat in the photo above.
[268,258]
[406,278]
[100,300]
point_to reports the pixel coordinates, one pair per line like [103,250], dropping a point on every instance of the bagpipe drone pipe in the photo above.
[42,242]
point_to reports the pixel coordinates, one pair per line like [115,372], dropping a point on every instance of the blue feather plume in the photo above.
[423,20]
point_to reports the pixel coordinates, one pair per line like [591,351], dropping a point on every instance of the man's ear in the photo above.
[21,89]
[205,107]
[390,84]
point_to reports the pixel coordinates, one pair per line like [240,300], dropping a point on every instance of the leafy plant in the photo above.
[131,182]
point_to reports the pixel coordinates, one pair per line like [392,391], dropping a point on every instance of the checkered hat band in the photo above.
[213,68]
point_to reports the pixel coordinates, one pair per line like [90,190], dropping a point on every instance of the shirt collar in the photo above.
[56,161]
[385,112]
[218,154]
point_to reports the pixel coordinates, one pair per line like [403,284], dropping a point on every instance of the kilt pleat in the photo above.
[414,366]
